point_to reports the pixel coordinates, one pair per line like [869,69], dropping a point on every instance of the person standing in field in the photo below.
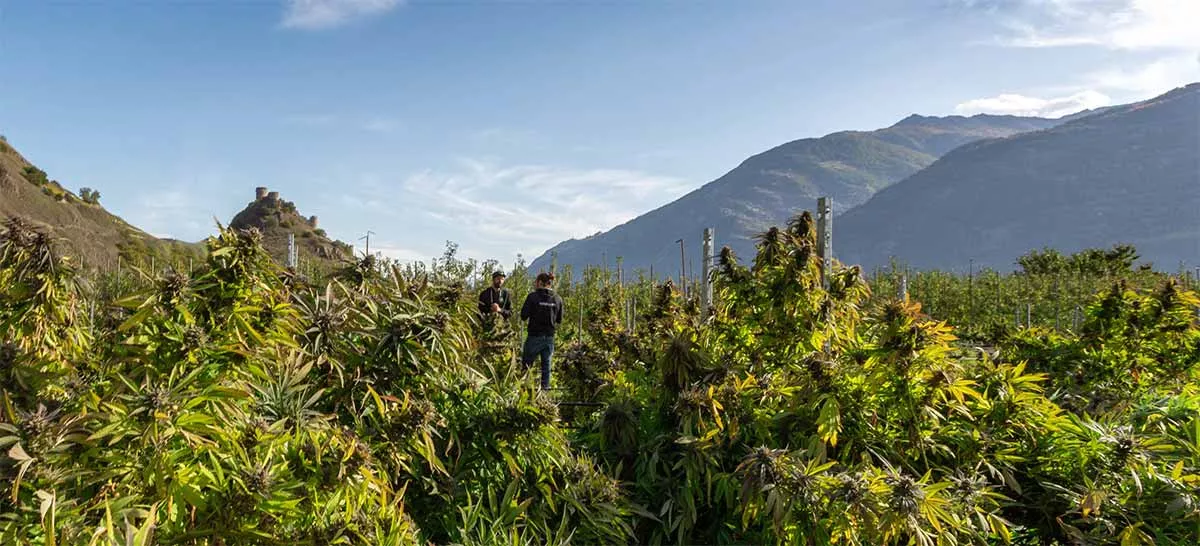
[495,298]
[543,308]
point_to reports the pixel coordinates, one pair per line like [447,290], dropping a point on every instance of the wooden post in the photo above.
[706,267]
[682,270]
[902,293]
[604,260]
[971,290]
[825,238]
[1056,301]
[291,255]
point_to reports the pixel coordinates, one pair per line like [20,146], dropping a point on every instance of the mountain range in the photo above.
[943,191]
[768,188]
[1129,174]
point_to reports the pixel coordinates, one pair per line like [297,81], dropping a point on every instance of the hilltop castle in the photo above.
[261,193]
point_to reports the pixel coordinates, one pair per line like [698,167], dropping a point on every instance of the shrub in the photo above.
[35,176]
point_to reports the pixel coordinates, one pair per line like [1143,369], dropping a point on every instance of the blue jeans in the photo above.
[539,347]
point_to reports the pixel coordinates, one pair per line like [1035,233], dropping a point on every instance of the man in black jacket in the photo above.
[495,298]
[544,311]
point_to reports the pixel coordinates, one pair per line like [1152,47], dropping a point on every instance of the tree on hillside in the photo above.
[89,196]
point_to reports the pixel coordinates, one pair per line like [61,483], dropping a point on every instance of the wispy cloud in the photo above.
[381,125]
[496,210]
[1114,24]
[376,124]
[311,120]
[1149,78]
[177,212]
[397,251]
[1131,30]
[1022,105]
[322,14]
[505,137]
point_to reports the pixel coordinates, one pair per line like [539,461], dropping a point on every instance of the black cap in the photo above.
[498,273]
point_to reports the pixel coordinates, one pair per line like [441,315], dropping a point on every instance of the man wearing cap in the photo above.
[496,298]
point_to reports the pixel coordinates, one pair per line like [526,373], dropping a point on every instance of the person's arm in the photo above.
[484,305]
[506,303]
[527,307]
[559,310]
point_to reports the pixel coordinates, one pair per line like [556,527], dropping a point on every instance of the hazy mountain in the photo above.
[1127,174]
[768,188]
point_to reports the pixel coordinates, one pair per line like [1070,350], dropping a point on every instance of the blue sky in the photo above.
[510,125]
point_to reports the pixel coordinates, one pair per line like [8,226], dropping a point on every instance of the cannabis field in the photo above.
[238,403]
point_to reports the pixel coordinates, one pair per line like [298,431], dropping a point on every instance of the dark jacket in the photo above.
[492,295]
[544,311]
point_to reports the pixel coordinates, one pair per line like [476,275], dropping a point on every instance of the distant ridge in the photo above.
[1123,174]
[766,189]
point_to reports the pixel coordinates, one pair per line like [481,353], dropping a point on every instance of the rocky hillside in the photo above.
[768,188]
[277,218]
[1129,174]
[85,230]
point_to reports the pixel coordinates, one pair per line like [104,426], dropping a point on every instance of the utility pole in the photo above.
[604,260]
[706,267]
[367,238]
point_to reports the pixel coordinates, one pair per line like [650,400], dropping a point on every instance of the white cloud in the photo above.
[1114,24]
[396,251]
[1022,105]
[380,125]
[497,211]
[500,137]
[173,213]
[1153,45]
[311,120]
[1149,79]
[320,14]
[376,124]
